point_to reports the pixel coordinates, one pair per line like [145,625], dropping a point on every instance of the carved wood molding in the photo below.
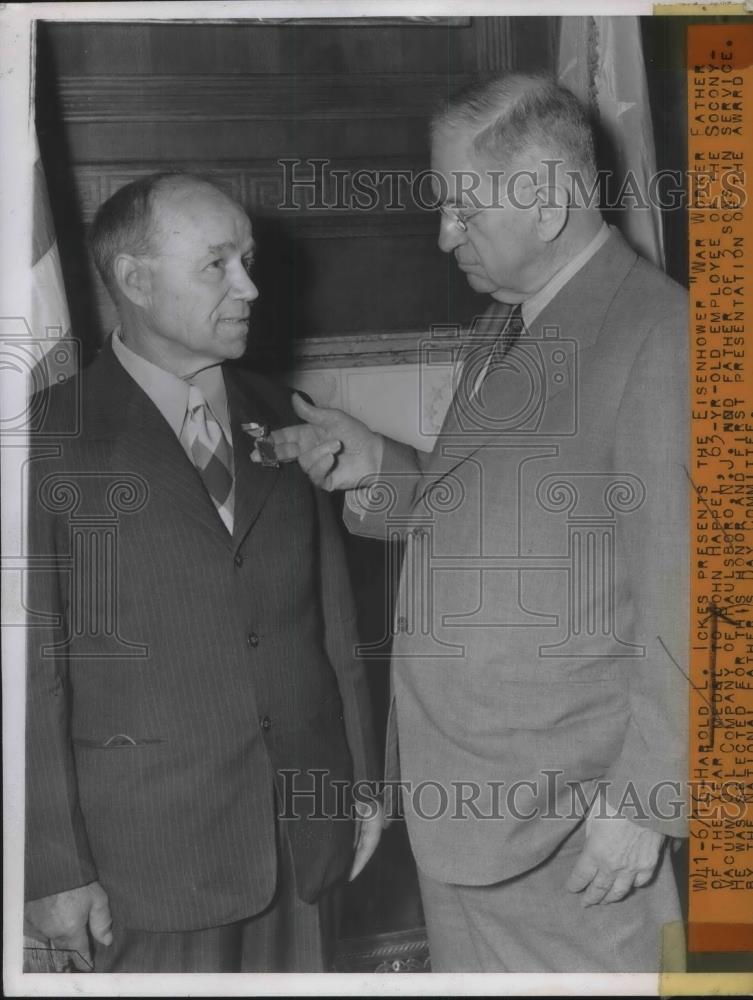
[360,350]
[289,97]
[266,185]
[494,44]
[261,188]
[349,227]
[363,350]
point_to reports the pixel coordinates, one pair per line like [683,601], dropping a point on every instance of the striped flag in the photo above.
[601,62]
[55,352]
[50,355]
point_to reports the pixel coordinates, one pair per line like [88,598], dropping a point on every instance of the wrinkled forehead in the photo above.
[193,215]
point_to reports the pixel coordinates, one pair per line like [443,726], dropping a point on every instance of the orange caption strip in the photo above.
[720,159]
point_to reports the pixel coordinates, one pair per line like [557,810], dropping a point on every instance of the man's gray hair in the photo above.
[519,112]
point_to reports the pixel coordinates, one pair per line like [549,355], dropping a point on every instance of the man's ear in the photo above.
[134,278]
[552,207]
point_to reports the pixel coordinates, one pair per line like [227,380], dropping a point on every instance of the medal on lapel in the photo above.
[263,444]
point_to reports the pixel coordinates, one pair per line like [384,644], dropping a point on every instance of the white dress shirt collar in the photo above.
[170,393]
[533,306]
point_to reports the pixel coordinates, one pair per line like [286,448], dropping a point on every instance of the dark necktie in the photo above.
[506,340]
[512,330]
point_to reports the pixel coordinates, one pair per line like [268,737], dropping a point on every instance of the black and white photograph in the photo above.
[347,498]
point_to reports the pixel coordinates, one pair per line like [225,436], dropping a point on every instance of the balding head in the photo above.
[177,253]
[128,222]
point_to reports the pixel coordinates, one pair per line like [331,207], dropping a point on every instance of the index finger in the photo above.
[288,435]
[285,452]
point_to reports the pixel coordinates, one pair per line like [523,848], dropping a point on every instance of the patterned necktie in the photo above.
[212,455]
[509,336]
[512,330]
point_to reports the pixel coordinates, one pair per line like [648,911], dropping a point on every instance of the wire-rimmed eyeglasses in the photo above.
[458,216]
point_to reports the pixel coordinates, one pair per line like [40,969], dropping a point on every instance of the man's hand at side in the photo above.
[618,855]
[335,450]
[369,827]
[62,919]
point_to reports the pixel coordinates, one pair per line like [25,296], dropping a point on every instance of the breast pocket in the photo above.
[118,741]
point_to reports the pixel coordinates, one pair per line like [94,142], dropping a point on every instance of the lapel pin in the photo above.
[263,444]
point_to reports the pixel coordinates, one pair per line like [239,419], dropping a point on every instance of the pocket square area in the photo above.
[118,741]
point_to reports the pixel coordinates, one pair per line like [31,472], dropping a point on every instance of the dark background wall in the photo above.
[118,100]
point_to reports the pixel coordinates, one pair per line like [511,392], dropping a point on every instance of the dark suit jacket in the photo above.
[173,671]
[542,620]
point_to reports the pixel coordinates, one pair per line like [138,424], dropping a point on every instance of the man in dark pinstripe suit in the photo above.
[191,640]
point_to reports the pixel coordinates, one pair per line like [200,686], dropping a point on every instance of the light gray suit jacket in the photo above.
[541,623]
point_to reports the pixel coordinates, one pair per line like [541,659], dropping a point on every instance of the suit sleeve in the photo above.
[57,851]
[391,493]
[341,638]
[652,443]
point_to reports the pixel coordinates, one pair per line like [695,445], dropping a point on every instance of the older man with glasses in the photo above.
[541,618]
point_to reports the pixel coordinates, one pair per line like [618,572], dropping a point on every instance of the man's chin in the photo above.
[235,346]
[237,350]
[479,282]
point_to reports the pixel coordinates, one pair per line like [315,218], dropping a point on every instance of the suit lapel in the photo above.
[143,442]
[117,409]
[253,482]
[457,439]
[578,311]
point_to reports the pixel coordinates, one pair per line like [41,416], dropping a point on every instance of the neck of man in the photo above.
[582,226]
[160,351]
[580,229]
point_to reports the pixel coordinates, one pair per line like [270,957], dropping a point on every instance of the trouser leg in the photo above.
[531,923]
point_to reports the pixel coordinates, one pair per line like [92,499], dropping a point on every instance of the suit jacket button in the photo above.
[266,723]
[238,560]
[252,639]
